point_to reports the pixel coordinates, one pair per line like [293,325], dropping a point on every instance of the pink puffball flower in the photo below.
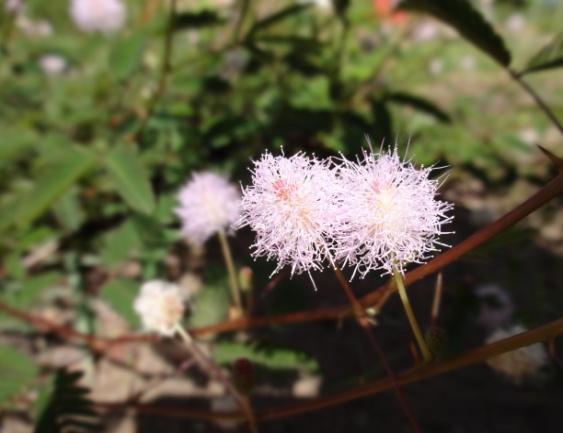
[104,16]
[292,206]
[209,203]
[390,213]
[160,306]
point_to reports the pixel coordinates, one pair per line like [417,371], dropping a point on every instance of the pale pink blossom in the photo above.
[292,206]
[389,212]
[208,203]
[160,306]
[104,16]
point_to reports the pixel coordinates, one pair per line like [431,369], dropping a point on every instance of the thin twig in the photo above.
[437,299]
[230,265]
[537,98]
[363,321]
[215,371]
[166,68]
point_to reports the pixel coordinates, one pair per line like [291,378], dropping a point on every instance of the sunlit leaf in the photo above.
[54,178]
[16,373]
[226,352]
[120,294]
[131,179]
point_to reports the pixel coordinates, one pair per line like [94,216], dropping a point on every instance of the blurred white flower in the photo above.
[52,64]
[496,306]
[14,6]
[292,205]
[208,203]
[467,62]
[520,363]
[98,15]
[425,31]
[390,213]
[34,28]
[516,23]
[160,306]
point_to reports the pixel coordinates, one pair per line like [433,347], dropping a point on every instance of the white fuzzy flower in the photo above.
[390,213]
[161,306]
[208,203]
[33,28]
[14,6]
[292,206]
[52,64]
[98,15]
[520,363]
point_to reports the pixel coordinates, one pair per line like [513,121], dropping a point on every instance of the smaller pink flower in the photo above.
[104,16]
[208,203]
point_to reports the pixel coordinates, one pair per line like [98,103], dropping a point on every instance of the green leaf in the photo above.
[276,17]
[121,244]
[68,210]
[120,295]
[550,56]
[226,352]
[126,55]
[470,24]
[211,305]
[131,179]
[53,180]
[196,20]
[32,288]
[15,142]
[418,103]
[16,373]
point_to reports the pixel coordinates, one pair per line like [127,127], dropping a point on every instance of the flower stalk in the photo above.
[400,284]
[231,270]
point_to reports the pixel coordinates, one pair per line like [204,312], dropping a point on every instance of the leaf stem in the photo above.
[410,315]
[230,264]
[537,99]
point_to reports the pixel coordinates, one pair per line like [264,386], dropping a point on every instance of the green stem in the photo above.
[537,99]
[410,315]
[230,264]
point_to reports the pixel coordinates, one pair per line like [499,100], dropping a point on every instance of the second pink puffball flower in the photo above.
[390,213]
[104,16]
[292,206]
[208,203]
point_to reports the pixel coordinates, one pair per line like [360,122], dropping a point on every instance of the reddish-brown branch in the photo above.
[413,375]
